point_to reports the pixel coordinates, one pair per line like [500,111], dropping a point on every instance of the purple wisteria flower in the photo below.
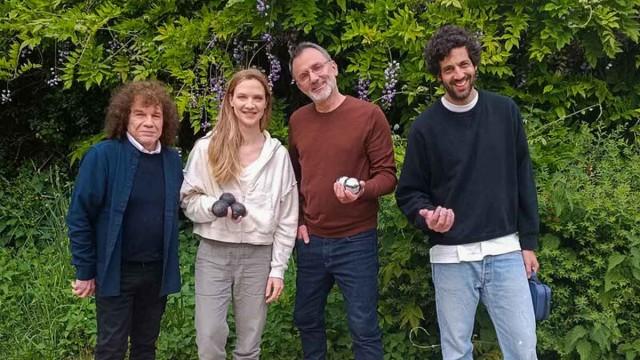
[205,124]
[390,82]
[5,96]
[262,7]
[268,39]
[274,69]
[363,89]
[238,51]
[212,41]
[113,46]
[216,86]
[274,63]
[193,100]
[26,52]
[54,78]
[62,56]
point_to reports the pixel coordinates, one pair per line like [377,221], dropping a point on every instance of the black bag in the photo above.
[541,297]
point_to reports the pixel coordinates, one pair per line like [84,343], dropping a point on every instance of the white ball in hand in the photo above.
[353,185]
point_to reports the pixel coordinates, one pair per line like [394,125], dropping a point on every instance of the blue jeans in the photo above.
[351,262]
[501,283]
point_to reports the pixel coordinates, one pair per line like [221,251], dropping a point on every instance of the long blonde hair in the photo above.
[227,138]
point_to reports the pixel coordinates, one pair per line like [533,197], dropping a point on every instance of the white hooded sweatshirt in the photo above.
[266,187]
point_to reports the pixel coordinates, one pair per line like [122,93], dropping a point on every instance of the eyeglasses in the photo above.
[316,69]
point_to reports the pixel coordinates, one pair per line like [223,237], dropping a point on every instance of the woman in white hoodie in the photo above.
[241,259]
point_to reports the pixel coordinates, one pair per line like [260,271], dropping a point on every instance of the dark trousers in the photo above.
[352,263]
[135,313]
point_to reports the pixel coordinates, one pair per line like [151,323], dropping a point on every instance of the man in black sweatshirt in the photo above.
[467,182]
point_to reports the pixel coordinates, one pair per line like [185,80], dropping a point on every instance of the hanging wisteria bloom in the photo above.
[5,96]
[193,100]
[274,63]
[113,46]
[205,124]
[390,82]
[216,85]
[262,7]
[238,51]
[363,89]
[212,41]
[274,69]
[62,55]
[268,41]
[26,52]
[54,78]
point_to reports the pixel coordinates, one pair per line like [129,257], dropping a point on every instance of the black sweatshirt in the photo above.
[476,163]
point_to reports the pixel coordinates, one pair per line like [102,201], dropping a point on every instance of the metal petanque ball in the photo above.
[228,198]
[353,185]
[238,210]
[219,208]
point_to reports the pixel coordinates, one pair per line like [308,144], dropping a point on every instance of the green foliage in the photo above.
[588,192]
[178,335]
[30,205]
[571,65]
[590,207]
[556,56]
[39,317]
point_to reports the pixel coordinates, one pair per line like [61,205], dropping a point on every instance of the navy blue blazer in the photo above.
[98,203]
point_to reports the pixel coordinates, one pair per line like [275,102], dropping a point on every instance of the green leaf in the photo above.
[233,2]
[584,349]
[577,333]
[601,336]
[611,278]
[550,241]
[615,259]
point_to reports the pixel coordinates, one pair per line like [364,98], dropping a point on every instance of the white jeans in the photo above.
[226,271]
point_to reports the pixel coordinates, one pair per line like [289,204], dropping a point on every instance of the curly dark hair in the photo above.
[152,92]
[446,38]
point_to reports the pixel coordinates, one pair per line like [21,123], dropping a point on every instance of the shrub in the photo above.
[554,57]
[571,65]
[590,249]
[32,206]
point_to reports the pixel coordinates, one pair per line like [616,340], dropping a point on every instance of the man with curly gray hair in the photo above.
[123,221]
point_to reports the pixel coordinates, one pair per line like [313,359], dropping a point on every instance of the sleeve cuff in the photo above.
[420,223]
[85,272]
[277,272]
[369,192]
[208,202]
[528,241]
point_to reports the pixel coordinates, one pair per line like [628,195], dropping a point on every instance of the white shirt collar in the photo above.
[460,108]
[139,146]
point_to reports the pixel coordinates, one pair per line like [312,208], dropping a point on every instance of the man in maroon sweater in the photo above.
[335,136]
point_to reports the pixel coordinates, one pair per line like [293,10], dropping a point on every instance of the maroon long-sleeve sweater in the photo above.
[352,140]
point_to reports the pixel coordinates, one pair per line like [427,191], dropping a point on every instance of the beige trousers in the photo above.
[226,272]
